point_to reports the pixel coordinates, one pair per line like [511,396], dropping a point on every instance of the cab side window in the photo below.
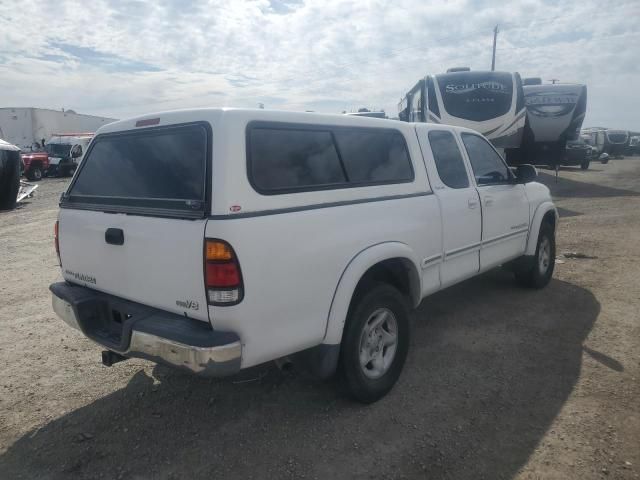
[488,167]
[448,159]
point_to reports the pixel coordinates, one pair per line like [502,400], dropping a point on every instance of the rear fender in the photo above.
[352,274]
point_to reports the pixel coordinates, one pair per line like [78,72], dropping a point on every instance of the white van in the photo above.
[66,151]
[218,239]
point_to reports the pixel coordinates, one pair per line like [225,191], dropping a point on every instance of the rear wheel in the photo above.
[375,343]
[539,274]
[585,165]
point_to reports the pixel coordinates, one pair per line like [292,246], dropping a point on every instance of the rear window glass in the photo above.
[162,164]
[374,156]
[288,159]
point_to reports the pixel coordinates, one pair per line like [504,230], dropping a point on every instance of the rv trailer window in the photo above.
[448,159]
[488,167]
[372,156]
[283,159]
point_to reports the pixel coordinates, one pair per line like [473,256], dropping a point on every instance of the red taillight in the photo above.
[56,240]
[222,275]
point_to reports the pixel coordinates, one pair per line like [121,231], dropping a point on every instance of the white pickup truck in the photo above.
[217,239]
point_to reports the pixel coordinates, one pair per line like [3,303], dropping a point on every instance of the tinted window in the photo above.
[448,159]
[488,167]
[164,164]
[58,149]
[374,156]
[285,159]
[476,96]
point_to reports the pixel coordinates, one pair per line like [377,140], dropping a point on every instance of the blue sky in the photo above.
[120,58]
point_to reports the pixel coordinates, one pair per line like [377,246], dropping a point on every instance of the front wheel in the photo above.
[375,343]
[34,174]
[539,274]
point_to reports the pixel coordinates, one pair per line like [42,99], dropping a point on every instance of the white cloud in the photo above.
[121,57]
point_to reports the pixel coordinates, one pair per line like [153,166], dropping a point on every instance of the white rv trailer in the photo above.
[491,103]
[616,142]
[555,113]
[594,136]
[28,127]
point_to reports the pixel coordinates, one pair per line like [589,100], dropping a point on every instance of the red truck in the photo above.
[35,164]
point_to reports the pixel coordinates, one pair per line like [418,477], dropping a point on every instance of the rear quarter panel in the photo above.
[292,263]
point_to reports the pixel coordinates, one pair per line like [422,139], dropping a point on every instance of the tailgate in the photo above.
[132,222]
[158,264]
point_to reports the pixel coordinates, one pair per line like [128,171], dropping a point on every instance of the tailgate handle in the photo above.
[114,236]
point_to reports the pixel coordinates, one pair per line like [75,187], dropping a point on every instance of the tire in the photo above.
[539,274]
[34,174]
[585,165]
[370,362]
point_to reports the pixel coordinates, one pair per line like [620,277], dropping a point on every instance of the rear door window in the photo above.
[448,159]
[154,168]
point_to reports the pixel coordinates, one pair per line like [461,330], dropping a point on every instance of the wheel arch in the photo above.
[394,261]
[546,212]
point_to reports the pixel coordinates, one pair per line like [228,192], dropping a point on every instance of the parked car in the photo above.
[214,240]
[578,152]
[36,165]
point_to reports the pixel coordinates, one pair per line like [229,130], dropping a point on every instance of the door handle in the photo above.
[488,201]
[472,203]
[114,236]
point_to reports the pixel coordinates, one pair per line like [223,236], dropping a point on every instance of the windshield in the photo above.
[58,149]
[618,137]
[155,168]
[476,96]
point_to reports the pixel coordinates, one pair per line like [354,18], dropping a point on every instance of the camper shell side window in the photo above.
[289,158]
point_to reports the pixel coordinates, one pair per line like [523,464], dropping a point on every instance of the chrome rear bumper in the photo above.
[148,333]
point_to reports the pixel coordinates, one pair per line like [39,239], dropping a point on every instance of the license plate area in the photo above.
[108,322]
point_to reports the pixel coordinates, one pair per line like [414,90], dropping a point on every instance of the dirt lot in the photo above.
[500,382]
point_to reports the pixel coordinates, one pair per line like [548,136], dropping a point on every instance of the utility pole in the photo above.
[493,58]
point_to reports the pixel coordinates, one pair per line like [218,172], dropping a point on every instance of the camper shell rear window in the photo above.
[156,170]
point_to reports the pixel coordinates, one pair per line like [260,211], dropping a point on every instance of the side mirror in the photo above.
[526,173]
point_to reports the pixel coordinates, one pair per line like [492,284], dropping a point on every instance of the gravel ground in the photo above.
[500,382]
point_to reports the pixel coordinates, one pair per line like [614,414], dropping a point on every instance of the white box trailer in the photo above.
[28,127]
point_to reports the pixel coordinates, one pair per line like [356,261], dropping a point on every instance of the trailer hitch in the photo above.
[110,358]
